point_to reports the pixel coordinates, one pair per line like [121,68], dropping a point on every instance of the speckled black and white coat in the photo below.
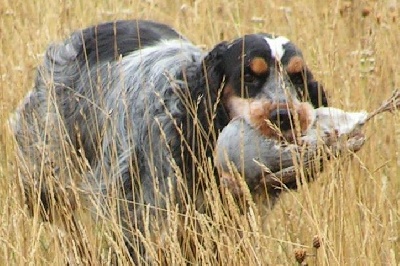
[143,105]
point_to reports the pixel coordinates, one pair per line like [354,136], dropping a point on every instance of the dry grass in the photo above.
[354,206]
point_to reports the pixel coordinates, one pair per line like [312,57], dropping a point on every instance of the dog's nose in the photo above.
[281,117]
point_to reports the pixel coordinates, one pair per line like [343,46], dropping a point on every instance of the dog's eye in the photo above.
[249,78]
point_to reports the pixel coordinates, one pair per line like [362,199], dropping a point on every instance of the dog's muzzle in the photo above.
[282,118]
[273,119]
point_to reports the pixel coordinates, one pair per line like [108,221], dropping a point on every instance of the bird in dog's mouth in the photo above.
[265,141]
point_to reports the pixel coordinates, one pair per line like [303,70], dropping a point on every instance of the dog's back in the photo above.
[69,108]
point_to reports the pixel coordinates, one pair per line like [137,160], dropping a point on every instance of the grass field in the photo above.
[352,47]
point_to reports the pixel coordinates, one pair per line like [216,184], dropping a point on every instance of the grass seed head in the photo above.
[365,12]
[316,241]
[300,254]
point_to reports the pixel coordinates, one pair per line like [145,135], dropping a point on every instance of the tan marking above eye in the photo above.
[259,66]
[295,65]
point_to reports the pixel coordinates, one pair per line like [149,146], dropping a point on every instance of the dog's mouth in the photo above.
[281,118]
[285,121]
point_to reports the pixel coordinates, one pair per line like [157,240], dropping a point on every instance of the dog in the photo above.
[141,105]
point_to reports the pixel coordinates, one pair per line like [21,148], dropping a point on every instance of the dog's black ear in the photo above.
[205,81]
[309,89]
[316,93]
[212,64]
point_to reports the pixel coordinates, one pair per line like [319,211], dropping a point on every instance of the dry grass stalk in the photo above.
[350,199]
[390,105]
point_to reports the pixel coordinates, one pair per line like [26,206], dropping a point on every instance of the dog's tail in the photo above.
[61,65]
[37,124]
[37,115]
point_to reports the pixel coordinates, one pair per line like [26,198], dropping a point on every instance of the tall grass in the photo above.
[354,205]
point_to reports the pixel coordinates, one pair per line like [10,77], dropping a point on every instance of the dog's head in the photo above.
[261,66]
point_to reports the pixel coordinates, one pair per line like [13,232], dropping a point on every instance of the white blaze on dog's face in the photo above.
[277,46]
[278,86]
